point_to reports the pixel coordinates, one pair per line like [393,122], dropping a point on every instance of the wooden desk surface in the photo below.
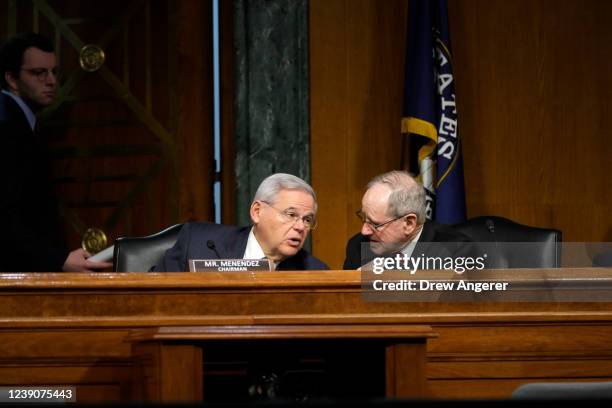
[71,328]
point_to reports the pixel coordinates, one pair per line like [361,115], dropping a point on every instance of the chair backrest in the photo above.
[139,254]
[564,391]
[498,230]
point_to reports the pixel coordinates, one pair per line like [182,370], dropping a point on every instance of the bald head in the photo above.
[400,192]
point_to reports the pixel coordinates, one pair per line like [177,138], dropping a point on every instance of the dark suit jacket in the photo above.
[448,242]
[229,243]
[32,237]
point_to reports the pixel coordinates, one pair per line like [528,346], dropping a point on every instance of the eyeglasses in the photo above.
[42,74]
[291,216]
[376,227]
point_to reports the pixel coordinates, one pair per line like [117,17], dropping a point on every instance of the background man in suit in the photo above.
[32,237]
[394,221]
[283,213]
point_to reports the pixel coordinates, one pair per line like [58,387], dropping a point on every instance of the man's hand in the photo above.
[77,262]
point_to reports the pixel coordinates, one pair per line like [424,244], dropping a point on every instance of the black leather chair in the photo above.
[603,259]
[564,391]
[139,254]
[541,247]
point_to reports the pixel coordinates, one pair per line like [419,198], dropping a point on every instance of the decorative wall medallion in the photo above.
[91,57]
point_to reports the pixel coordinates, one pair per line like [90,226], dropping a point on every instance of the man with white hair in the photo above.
[283,212]
[394,221]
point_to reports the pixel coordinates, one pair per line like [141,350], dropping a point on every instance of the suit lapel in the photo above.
[290,264]
[235,248]
[427,237]
[13,110]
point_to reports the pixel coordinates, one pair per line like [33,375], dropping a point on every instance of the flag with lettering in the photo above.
[430,112]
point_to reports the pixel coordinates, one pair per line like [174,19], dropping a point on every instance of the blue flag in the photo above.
[430,111]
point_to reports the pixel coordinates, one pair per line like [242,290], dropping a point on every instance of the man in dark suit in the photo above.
[394,222]
[32,237]
[283,213]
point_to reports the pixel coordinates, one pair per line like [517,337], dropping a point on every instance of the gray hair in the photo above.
[407,194]
[274,184]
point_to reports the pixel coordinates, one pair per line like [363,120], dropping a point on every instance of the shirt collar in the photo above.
[253,249]
[408,249]
[30,116]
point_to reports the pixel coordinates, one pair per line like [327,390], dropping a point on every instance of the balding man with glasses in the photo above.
[32,238]
[393,222]
[283,212]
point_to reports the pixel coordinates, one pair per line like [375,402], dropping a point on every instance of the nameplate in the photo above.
[229,265]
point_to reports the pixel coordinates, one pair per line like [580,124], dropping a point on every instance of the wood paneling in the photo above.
[227,92]
[52,343]
[195,122]
[532,92]
[94,382]
[163,358]
[72,329]
[131,142]
[494,389]
[168,372]
[356,76]
[532,97]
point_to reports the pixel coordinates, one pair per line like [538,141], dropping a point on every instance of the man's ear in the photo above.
[11,81]
[255,212]
[410,223]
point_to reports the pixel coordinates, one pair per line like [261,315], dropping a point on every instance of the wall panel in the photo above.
[532,88]
[355,75]
[532,96]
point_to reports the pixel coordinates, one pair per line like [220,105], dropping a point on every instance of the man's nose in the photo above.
[51,78]
[298,225]
[366,229]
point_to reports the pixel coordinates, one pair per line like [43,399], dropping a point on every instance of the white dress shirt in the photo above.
[253,249]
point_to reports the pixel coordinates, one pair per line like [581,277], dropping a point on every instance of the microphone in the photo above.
[211,245]
[499,263]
